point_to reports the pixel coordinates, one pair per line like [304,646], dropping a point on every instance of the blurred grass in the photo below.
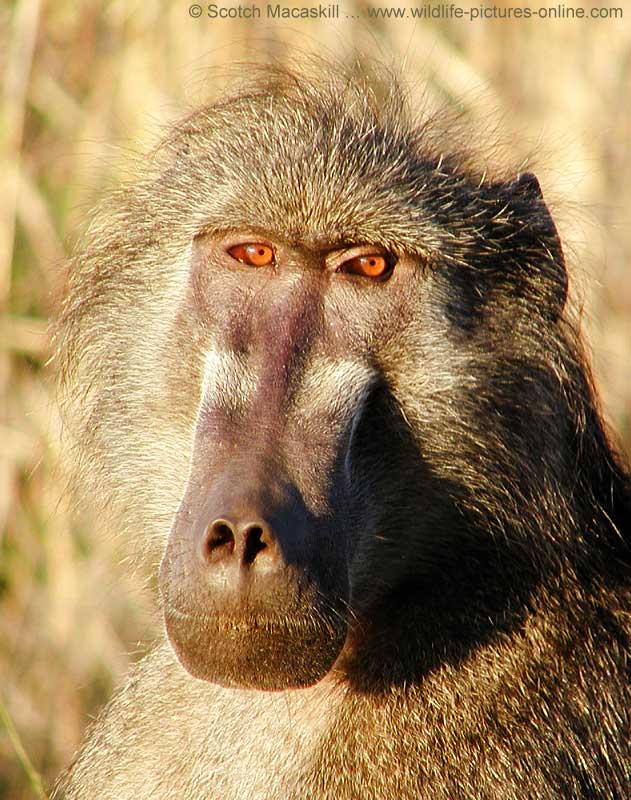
[78,78]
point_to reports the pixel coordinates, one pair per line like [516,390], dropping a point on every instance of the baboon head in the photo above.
[314,344]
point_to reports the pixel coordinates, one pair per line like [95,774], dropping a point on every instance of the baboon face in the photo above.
[311,299]
[285,468]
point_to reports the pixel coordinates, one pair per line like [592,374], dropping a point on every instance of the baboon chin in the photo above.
[252,652]
[321,355]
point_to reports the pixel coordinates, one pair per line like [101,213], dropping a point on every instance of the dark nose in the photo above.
[247,541]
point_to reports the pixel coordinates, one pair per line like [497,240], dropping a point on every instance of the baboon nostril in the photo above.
[219,541]
[255,542]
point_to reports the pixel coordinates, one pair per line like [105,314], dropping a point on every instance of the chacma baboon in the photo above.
[327,364]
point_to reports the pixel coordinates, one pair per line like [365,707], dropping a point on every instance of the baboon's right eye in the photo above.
[256,254]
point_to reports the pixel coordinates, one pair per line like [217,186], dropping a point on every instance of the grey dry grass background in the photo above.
[78,77]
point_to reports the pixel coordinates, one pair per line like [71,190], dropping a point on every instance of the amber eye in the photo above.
[253,253]
[373,265]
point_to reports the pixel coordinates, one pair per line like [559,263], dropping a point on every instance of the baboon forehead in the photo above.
[312,165]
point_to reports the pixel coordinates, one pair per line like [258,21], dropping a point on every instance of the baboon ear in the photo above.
[540,240]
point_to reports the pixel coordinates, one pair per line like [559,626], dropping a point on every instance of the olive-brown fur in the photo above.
[439,604]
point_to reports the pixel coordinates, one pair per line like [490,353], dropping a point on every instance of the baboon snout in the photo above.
[256,574]
[254,584]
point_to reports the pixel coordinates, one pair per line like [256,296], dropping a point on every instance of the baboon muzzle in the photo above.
[252,593]
[255,577]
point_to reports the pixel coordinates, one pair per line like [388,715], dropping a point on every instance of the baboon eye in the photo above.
[255,254]
[371,265]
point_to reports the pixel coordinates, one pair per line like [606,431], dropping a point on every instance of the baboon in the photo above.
[318,356]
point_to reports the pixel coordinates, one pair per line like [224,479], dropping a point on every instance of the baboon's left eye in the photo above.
[255,254]
[372,265]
